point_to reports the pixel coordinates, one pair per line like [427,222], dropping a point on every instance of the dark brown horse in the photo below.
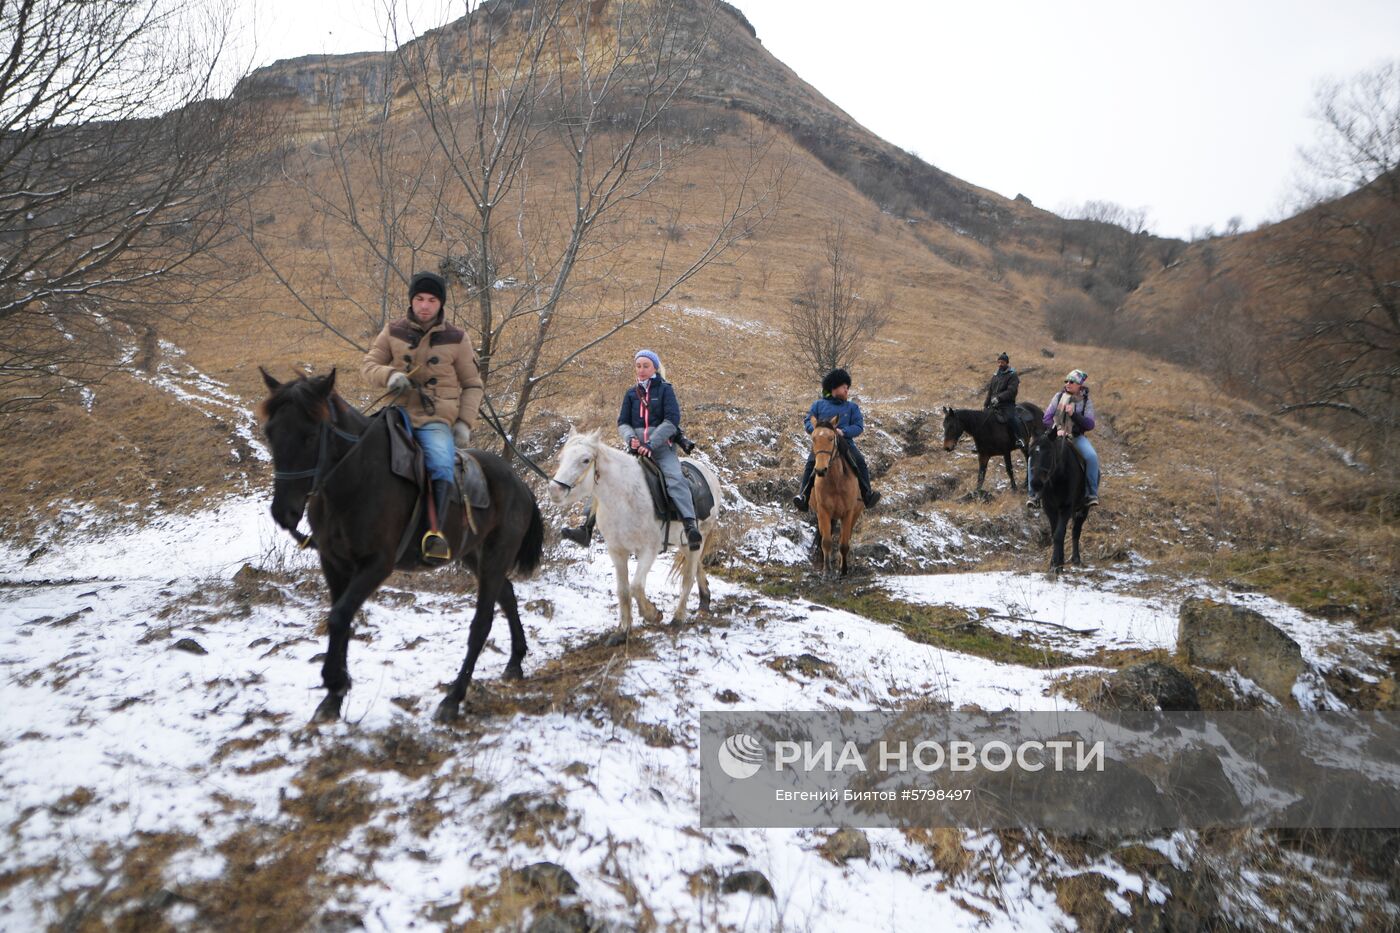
[333,463]
[991,437]
[1061,482]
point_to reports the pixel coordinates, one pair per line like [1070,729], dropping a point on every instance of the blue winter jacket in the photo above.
[662,419]
[847,415]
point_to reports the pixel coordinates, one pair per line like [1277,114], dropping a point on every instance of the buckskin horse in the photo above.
[835,493]
[990,437]
[332,463]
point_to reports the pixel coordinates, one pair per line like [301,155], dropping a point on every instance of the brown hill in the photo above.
[1192,476]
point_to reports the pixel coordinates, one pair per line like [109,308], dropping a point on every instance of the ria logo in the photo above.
[741,756]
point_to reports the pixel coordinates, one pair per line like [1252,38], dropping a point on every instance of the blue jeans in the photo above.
[439,454]
[1091,463]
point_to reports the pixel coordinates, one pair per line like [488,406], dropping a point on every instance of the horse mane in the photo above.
[309,400]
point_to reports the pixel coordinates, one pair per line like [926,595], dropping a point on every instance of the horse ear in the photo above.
[947,410]
[573,433]
[272,384]
[593,435]
[324,385]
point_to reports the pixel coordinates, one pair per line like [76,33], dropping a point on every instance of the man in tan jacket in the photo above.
[432,365]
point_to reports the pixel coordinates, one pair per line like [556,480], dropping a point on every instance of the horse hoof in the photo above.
[616,639]
[513,672]
[448,711]
[328,710]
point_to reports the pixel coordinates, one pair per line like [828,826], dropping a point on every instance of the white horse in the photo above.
[590,468]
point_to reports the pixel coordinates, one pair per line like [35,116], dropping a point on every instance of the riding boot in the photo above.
[804,492]
[435,548]
[692,533]
[867,495]
[583,534]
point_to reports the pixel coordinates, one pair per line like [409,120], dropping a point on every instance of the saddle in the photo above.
[700,492]
[406,462]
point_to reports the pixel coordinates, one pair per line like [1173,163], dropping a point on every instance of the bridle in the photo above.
[569,487]
[319,473]
[828,452]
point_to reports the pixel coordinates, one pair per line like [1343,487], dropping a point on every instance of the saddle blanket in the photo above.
[700,492]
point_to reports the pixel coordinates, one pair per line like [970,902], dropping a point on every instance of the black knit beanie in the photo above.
[428,283]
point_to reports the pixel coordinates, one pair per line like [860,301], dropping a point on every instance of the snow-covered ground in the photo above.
[108,731]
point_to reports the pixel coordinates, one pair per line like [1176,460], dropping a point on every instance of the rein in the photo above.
[494,420]
[319,473]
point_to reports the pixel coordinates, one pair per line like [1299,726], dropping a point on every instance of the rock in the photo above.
[1222,636]
[543,607]
[190,645]
[846,844]
[544,878]
[748,881]
[727,696]
[808,665]
[874,551]
[1047,352]
[564,920]
[1149,686]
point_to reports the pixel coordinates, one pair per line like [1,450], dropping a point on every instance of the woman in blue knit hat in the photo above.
[850,424]
[650,424]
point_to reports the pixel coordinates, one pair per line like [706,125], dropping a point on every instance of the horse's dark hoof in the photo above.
[616,639]
[448,711]
[329,710]
[704,602]
[513,672]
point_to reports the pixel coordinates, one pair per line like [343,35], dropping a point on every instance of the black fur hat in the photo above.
[837,377]
[429,282]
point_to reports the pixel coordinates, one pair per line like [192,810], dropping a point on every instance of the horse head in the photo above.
[952,428]
[823,444]
[575,474]
[291,417]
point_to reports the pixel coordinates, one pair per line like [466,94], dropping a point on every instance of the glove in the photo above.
[461,434]
[399,382]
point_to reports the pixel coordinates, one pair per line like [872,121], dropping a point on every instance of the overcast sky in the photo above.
[1194,110]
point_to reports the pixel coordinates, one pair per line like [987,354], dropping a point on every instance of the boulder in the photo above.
[846,844]
[1222,636]
[1149,686]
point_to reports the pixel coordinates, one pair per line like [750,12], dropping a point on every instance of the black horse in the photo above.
[991,437]
[333,462]
[1059,477]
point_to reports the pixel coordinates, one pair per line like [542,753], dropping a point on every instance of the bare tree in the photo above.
[830,322]
[592,92]
[115,166]
[371,191]
[546,136]
[1348,358]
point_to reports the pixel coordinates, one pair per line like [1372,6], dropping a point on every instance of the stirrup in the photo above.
[434,546]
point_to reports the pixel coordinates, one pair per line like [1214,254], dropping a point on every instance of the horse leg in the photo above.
[489,577]
[824,529]
[335,672]
[645,608]
[1009,472]
[981,470]
[624,591]
[1078,527]
[506,600]
[848,524]
[1057,554]
[703,579]
[691,558]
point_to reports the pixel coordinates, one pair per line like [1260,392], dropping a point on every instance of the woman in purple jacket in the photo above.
[1075,398]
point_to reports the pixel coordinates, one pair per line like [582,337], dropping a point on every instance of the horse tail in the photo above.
[682,552]
[527,559]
